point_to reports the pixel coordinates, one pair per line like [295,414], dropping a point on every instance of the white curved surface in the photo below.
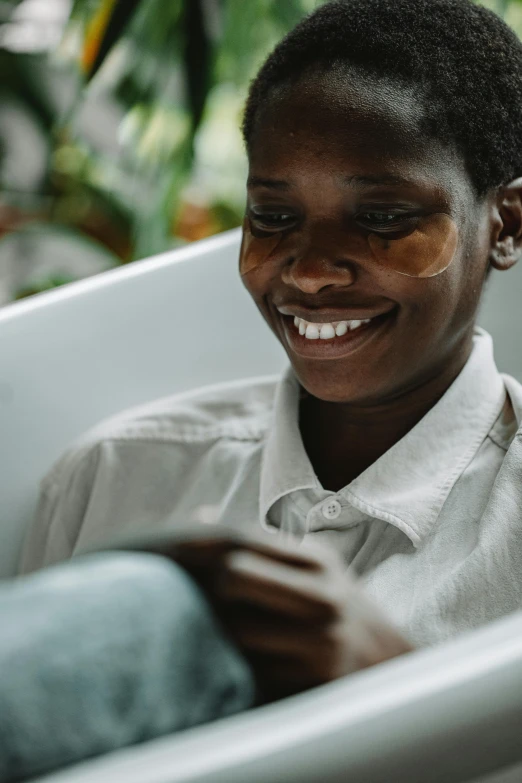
[443,715]
[71,357]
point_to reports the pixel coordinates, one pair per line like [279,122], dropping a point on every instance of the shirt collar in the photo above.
[285,466]
[409,484]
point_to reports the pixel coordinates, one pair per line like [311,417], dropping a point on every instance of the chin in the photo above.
[344,393]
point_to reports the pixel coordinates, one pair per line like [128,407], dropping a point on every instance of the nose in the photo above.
[312,271]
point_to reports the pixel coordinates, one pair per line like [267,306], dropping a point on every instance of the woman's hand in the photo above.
[296,612]
[300,618]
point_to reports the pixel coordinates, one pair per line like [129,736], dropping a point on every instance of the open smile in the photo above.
[332,340]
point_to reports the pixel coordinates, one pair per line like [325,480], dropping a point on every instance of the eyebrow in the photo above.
[261,182]
[364,181]
[356,181]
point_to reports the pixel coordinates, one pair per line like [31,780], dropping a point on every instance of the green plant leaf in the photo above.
[122,14]
[198,57]
[22,75]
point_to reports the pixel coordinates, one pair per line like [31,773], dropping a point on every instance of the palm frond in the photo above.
[119,15]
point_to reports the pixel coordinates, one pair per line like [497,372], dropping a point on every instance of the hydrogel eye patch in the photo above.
[255,250]
[426,252]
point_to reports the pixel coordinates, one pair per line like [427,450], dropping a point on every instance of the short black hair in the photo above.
[464,58]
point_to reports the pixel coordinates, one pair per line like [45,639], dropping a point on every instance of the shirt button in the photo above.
[331,509]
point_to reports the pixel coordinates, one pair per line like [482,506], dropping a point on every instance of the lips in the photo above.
[326,315]
[339,347]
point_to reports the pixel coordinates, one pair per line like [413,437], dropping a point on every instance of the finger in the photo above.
[306,554]
[260,631]
[253,578]
[300,646]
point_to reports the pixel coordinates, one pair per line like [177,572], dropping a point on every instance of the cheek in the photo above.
[254,250]
[427,252]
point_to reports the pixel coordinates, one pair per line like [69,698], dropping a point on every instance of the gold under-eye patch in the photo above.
[426,252]
[255,250]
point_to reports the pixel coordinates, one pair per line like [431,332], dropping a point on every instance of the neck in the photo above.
[342,439]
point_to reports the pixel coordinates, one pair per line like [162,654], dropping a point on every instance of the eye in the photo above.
[382,221]
[380,217]
[275,219]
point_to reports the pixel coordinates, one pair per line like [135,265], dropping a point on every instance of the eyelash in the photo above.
[270,220]
[281,220]
[398,221]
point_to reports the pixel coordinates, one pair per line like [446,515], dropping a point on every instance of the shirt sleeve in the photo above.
[62,504]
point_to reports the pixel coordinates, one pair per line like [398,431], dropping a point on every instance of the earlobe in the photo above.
[506,247]
[505,254]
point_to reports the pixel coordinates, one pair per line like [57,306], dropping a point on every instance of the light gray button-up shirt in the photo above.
[433,527]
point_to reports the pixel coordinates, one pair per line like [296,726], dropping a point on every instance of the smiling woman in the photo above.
[385,181]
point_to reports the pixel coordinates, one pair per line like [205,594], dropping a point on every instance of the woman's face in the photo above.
[354,215]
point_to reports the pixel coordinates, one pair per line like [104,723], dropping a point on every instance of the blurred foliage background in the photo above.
[119,126]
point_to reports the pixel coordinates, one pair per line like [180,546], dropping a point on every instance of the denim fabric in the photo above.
[107,652]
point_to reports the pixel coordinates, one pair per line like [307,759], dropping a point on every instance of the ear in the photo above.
[506,242]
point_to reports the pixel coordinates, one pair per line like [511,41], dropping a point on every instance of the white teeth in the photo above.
[327,332]
[312,332]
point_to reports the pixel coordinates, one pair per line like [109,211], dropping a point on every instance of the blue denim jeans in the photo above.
[105,652]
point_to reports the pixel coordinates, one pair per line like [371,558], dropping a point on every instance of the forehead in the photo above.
[349,124]
[344,97]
